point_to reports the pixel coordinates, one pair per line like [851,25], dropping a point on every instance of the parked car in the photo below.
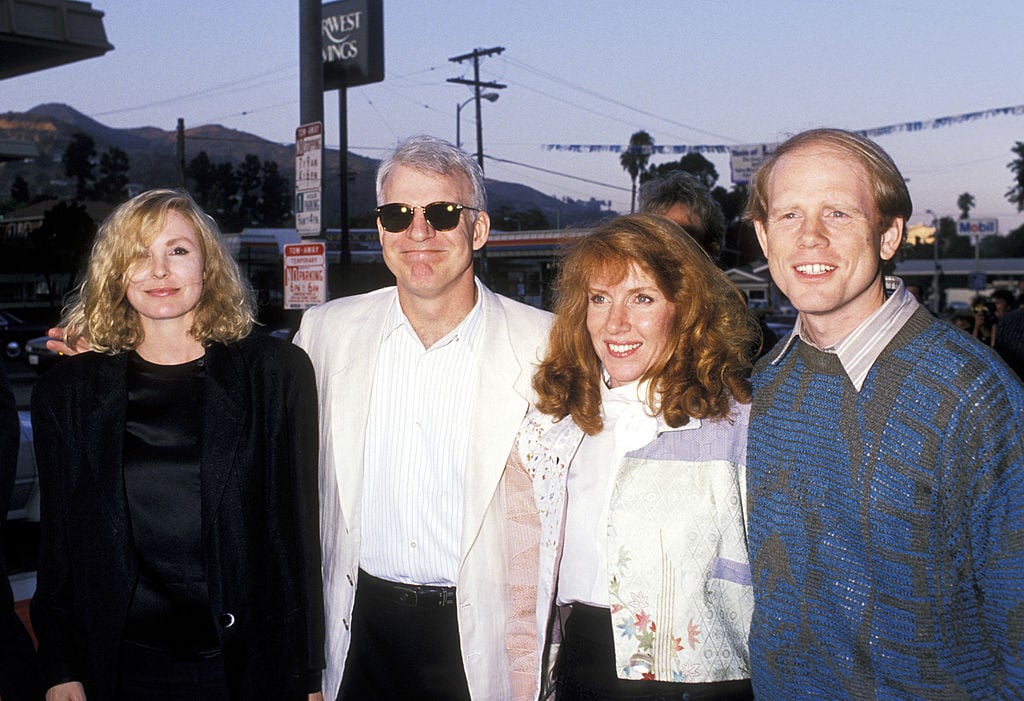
[25,496]
[39,356]
[14,332]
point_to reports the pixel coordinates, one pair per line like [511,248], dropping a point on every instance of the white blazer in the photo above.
[341,337]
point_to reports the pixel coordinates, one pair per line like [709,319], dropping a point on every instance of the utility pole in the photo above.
[181,153]
[476,55]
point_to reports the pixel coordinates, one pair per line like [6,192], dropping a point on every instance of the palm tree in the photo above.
[634,160]
[965,203]
[1016,193]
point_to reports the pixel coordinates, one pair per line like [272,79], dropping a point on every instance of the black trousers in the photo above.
[148,674]
[405,645]
[585,668]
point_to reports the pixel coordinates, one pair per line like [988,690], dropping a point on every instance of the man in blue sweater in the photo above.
[885,459]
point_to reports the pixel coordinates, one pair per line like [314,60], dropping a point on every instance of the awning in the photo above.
[40,34]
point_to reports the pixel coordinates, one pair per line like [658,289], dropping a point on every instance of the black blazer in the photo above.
[260,525]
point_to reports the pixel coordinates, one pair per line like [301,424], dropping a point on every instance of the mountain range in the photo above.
[152,154]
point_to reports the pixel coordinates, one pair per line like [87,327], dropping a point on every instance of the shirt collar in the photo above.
[468,330]
[635,394]
[859,350]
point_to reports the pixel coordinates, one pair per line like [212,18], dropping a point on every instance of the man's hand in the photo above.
[57,344]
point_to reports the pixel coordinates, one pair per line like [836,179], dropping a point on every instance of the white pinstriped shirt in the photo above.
[417,440]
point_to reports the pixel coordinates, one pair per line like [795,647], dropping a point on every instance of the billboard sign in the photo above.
[305,274]
[309,149]
[352,34]
[744,160]
[977,228]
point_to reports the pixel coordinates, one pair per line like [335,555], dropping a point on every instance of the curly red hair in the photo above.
[698,375]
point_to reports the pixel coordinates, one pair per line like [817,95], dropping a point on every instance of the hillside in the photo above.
[152,154]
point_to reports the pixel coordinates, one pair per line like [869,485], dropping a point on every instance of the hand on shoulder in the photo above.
[57,344]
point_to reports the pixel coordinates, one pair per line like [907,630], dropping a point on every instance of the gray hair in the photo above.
[433,155]
[659,195]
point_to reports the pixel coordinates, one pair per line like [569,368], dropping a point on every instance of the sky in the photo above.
[689,72]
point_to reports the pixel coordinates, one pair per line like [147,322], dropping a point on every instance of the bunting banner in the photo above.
[744,159]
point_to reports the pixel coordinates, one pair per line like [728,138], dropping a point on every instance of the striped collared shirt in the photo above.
[861,347]
[417,442]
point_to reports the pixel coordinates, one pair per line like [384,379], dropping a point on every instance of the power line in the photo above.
[619,103]
[555,172]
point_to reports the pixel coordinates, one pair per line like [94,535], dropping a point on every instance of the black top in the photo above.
[259,519]
[170,607]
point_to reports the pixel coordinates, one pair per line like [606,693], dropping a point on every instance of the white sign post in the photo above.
[309,148]
[305,274]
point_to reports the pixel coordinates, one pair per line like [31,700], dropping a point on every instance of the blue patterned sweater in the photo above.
[887,526]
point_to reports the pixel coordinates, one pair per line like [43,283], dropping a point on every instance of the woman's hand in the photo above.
[68,691]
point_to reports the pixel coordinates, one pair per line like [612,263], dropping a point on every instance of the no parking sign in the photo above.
[305,274]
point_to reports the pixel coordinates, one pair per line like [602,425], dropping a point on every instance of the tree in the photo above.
[1016,193]
[19,190]
[693,163]
[222,203]
[200,170]
[509,219]
[248,176]
[951,243]
[965,203]
[79,160]
[113,181]
[65,237]
[254,193]
[275,196]
[634,160]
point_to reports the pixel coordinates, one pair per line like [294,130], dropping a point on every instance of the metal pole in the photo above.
[458,122]
[936,292]
[311,69]
[346,254]
[181,153]
[479,120]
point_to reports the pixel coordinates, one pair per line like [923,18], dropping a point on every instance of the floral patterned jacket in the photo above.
[678,574]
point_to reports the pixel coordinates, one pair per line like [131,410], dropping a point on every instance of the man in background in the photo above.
[681,198]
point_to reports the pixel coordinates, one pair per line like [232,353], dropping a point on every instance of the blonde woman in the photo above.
[180,548]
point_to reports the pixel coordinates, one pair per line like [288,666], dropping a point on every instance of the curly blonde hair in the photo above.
[706,362]
[100,312]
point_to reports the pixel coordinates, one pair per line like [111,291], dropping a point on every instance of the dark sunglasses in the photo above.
[442,216]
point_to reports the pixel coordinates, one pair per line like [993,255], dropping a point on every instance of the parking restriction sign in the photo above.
[305,274]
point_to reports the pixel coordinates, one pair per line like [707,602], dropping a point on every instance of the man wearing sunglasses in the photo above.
[422,387]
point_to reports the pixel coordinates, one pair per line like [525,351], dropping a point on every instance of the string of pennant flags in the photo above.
[745,158]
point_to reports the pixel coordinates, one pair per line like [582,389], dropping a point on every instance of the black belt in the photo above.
[406,594]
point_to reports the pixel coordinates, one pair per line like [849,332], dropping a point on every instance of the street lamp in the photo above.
[937,294]
[489,96]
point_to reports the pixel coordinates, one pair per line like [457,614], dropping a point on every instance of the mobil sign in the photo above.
[977,228]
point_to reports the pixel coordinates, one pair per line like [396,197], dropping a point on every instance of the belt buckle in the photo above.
[405,596]
[447,598]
